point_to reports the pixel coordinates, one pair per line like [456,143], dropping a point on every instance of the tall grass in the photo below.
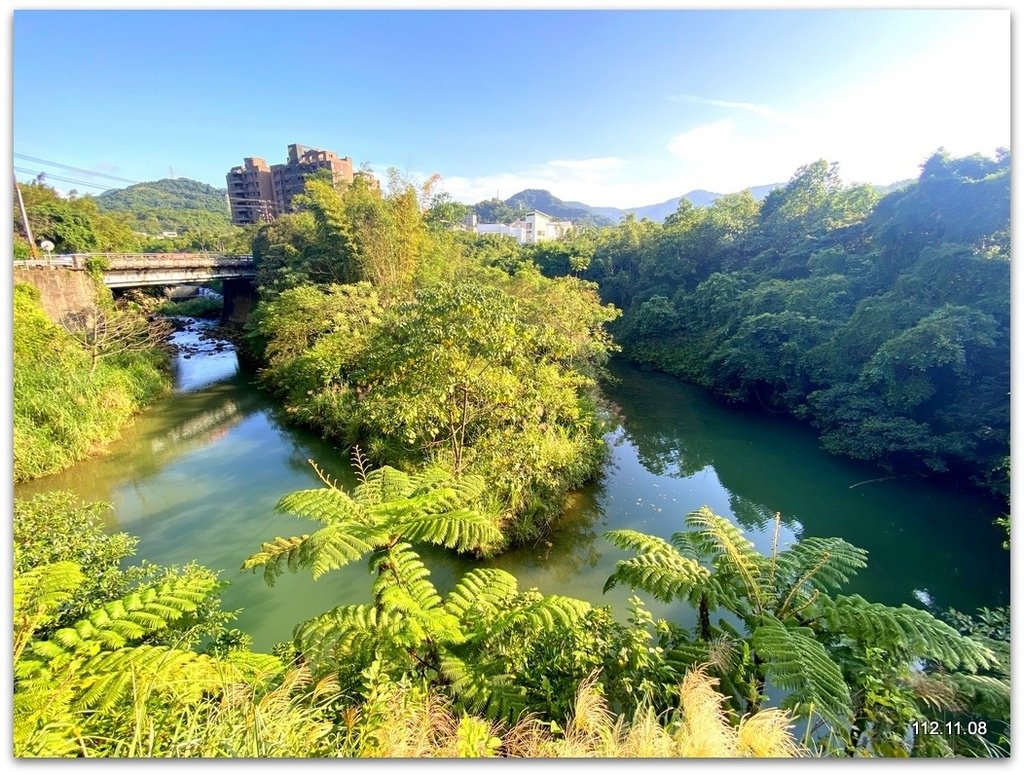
[63,410]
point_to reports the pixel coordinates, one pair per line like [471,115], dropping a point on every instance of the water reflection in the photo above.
[747,465]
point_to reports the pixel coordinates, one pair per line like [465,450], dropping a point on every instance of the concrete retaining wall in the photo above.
[62,292]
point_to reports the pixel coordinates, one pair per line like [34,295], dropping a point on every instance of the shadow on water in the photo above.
[197,477]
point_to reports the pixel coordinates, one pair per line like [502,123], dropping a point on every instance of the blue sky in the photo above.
[610,108]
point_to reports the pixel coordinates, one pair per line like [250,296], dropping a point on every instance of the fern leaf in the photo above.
[335,546]
[461,530]
[911,632]
[797,662]
[735,554]
[482,591]
[255,667]
[664,576]
[400,567]
[109,676]
[145,611]
[37,593]
[44,588]
[482,688]
[347,632]
[824,564]
[276,555]
[542,613]
[325,504]
[641,543]
[382,485]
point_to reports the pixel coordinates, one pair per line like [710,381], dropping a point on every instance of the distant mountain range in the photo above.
[546,202]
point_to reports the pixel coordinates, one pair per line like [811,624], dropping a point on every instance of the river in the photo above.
[197,475]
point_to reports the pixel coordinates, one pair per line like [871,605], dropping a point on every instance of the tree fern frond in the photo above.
[255,667]
[136,615]
[324,504]
[665,576]
[797,662]
[481,591]
[427,479]
[734,553]
[344,633]
[538,613]
[466,488]
[420,624]
[824,564]
[108,676]
[382,485]
[906,630]
[400,567]
[687,543]
[461,530]
[482,688]
[335,546]
[985,693]
[42,589]
[37,593]
[274,556]
[402,587]
[641,543]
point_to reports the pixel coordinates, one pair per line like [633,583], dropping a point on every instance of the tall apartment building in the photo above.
[257,192]
[251,192]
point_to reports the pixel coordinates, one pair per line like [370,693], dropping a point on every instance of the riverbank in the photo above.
[74,395]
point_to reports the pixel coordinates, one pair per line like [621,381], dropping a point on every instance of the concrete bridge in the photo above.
[134,270]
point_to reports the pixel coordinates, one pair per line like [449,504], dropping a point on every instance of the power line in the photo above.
[73,169]
[48,175]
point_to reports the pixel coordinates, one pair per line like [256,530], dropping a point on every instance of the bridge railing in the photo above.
[44,263]
[136,260]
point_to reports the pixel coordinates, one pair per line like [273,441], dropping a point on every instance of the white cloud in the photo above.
[601,163]
[955,95]
[763,111]
[599,181]
[706,143]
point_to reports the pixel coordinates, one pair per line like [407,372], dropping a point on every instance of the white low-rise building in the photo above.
[531,228]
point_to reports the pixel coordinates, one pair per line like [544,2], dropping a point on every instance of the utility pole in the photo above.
[24,218]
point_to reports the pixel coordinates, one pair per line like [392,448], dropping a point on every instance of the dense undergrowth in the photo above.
[141,661]
[73,394]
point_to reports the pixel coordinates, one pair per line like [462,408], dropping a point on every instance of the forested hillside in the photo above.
[170,204]
[130,220]
[883,321]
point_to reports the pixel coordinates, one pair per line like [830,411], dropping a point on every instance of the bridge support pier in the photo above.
[239,299]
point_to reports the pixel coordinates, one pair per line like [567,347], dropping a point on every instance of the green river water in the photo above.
[197,475]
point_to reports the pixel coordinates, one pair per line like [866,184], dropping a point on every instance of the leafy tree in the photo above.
[444,212]
[496,211]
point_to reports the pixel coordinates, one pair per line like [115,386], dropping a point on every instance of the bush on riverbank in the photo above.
[66,406]
[491,376]
[199,307]
[378,328]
